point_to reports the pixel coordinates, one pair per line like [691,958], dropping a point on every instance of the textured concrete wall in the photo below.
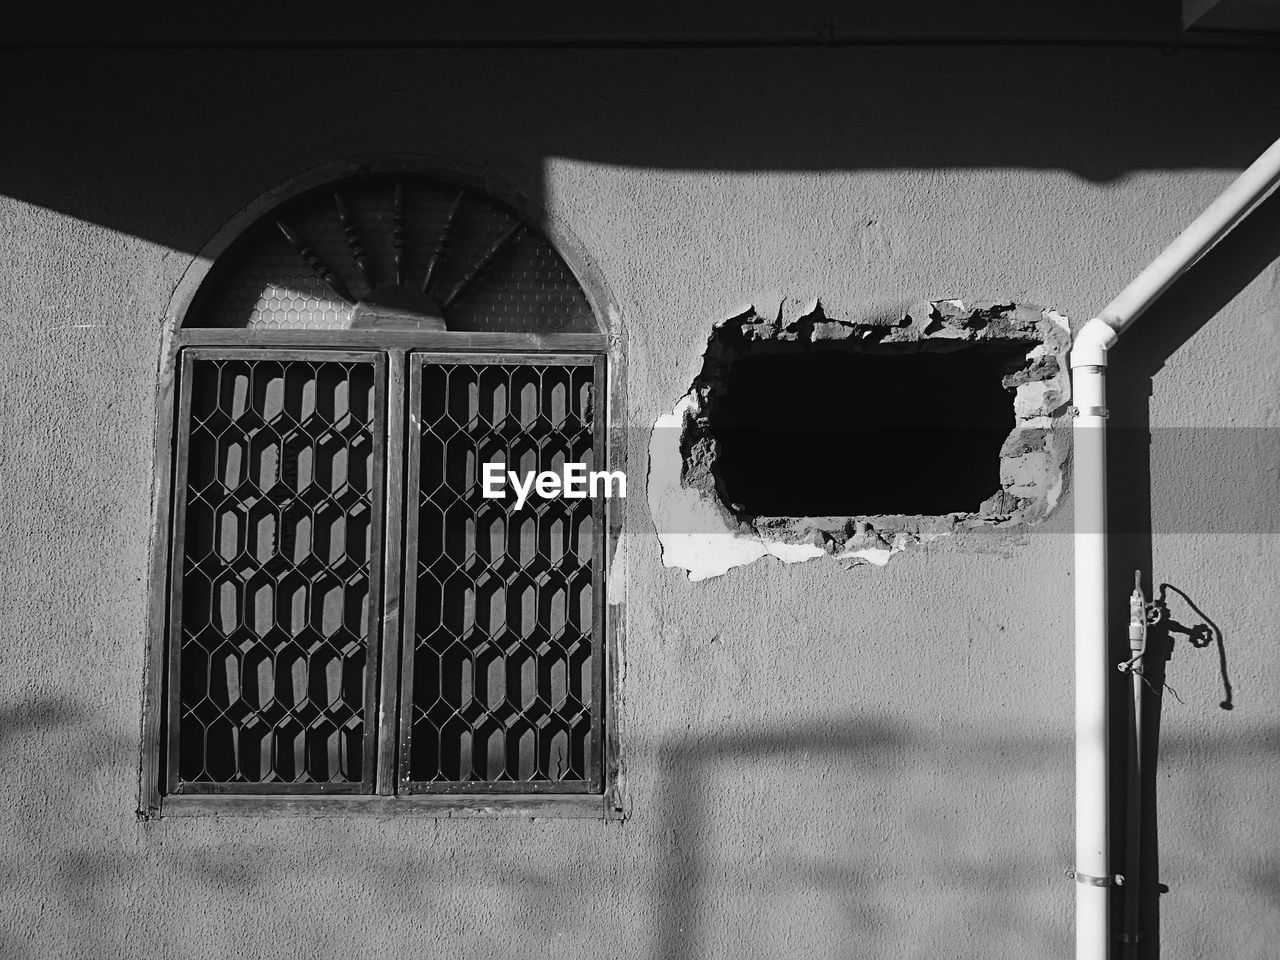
[823,762]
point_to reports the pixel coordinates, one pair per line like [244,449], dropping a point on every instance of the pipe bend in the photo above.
[1092,343]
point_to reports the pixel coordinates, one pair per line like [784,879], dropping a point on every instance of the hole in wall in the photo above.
[837,433]
[806,434]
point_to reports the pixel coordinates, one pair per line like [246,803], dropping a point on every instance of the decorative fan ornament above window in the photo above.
[394,251]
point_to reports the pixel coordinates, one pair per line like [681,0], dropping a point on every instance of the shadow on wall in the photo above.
[184,155]
[1203,634]
[853,837]
[751,833]
[870,839]
[1171,480]
[24,719]
[1160,650]
[864,838]
[30,730]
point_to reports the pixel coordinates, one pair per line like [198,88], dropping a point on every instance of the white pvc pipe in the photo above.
[1093,664]
[1089,434]
[1233,205]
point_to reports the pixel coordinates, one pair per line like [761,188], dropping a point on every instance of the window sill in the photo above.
[565,806]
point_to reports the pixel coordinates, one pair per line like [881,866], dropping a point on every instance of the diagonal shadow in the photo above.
[1134,511]
[225,125]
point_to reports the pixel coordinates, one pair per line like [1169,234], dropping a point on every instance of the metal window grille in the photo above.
[276,601]
[275,580]
[502,678]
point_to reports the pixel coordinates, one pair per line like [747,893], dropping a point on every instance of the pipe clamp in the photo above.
[1089,412]
[1092,881]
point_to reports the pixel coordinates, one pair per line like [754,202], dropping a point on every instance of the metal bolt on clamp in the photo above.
[1078,877]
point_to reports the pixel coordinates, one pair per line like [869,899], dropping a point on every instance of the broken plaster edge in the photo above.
[717,546]
[722,542]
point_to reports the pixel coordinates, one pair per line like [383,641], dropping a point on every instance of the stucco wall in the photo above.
[822,761]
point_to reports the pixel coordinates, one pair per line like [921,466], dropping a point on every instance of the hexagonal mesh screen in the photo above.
[280,527]
[504,674]
[309,262]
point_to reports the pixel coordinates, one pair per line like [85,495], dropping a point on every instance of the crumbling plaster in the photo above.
[705,536]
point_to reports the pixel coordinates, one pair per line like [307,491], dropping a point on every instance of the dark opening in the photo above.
[855,434]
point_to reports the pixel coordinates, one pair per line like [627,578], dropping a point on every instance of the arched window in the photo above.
[351,617]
